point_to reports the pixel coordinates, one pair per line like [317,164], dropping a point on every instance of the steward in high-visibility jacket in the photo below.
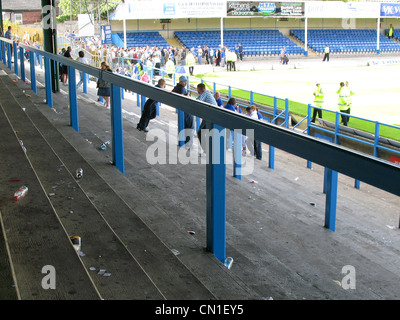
[190,62]
[344,102]
[318,102]
[170,67]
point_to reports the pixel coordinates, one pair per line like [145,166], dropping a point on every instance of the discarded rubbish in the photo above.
[391,227]
[297,178]
[81,254]
[191,232]
[253,181]
[51,194]
[13,180]
[313,204]
[228,262]
[15,80]
[103,146]
[76,242]
[20,193]
[107,143]
[22,145]
[79,173]
[175,252]
[92,268]
[28,95]
[337,282]
[101,271]
[107,274]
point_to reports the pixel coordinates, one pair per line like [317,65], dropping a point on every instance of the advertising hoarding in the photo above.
[264,8]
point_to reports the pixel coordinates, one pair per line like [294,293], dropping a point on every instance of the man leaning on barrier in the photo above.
[149,110]
[206,96]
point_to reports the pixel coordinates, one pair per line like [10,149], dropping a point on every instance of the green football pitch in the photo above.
[376,88]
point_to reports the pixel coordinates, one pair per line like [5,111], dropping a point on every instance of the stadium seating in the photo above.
[254,42]
[346,40]
[143,39]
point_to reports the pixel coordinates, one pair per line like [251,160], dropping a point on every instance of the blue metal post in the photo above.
[331,198]
[229,92]
[376,140]
[47,78]
[216,192]
[237,154]
[3,51]
[73,99]
[286,113]
[9,55]
[251,97]
[142,102]
[309,163]
[85,81]
[22,63]
[337,121]
[33,75]
[138,100]
[181,128]
[271,153]
[15,58]
[117,129]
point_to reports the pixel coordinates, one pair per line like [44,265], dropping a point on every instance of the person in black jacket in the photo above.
[149,110]
[188,118]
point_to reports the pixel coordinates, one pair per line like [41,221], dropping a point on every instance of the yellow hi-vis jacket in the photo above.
[344,98]
[190,60]
[318,97]
[170,67]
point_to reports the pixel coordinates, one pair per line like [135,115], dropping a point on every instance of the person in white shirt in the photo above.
[81,58]
[252,113]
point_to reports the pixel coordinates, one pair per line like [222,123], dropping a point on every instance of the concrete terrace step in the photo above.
[113,237]
[32,236]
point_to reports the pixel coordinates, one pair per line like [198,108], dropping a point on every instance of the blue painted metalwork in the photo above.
[9,55]
[22,63]
[47,80]
[216,192]
[237,154]
[331,199]
[339,159]
[15,48]
[117,128]
[73,99]
[181,128]
[32,69]
[85,81]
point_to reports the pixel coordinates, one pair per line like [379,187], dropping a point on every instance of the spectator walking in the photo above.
[81,58]
[326,53]
[104,86]
[67,54]
[240,52]
[252,112]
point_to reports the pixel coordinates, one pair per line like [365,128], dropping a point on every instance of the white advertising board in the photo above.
[169,9]
[338,9]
